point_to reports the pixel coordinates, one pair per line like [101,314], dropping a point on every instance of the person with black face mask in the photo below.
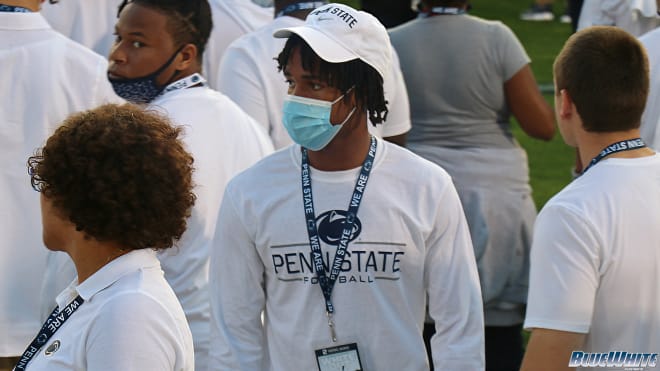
[156,60]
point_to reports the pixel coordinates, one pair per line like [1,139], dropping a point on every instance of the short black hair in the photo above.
[367,81]
[190,21]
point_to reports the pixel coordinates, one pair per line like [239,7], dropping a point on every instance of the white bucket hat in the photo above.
[338,33]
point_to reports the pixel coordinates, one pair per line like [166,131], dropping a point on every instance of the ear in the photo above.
[188,57]
[566,107]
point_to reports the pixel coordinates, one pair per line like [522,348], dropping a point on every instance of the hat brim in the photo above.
[323,45]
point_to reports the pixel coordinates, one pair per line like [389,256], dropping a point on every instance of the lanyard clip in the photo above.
[331,325]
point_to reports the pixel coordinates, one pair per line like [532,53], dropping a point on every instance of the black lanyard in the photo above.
[441,10]
[327,283]
[624,145]
[303,5]
[49,328]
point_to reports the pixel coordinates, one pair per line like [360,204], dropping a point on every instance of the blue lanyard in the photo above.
[188,82]
[52,324]
[441,10]
[304,5]
[624,145]
[327,283]
[14,9]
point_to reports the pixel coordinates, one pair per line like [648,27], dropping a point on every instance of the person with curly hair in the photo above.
[46,77]
[116,185]
[156,60]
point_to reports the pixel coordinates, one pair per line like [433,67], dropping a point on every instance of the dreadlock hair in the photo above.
[367,81]
[189,21]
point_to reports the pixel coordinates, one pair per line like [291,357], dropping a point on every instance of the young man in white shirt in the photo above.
[156,60]
[593,296]
[37,92]
[342,287]
[248,75]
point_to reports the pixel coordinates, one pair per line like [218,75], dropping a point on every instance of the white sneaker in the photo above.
[565,18]
[538,13]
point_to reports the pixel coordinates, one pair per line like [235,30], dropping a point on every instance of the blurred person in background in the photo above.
[460,121]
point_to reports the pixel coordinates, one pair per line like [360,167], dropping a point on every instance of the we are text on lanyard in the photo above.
[327,282]
[52,324]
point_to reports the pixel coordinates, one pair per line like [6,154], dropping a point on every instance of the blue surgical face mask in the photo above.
[308,121]
[141,89]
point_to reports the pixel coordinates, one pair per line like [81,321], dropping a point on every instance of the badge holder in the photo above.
[339,358]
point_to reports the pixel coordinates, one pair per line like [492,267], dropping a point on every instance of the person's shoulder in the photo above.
[409,165]
[258,40]
[277,168]
[651,39]
[404,28]
[59,47]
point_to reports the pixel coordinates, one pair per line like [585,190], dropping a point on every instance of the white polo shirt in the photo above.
[45,78]
[248,75]
[231,20]
[130,320]
[91,23]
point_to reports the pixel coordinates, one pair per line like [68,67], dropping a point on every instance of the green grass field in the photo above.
[549,162]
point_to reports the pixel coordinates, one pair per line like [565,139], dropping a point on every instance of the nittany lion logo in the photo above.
[330,224]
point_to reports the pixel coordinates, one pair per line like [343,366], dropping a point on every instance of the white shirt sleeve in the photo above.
[237,295]
[134,332]
[455,303]
[564,275]
[238,78]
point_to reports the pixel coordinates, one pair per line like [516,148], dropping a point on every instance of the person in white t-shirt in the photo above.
[156,60]
[90,23]
[248,75]
[635,16]
[650,126]
[116,185]
[232,19]
[594,266]
[342,281]
[37,91]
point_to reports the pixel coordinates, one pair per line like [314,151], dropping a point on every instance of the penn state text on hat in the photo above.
[338,33]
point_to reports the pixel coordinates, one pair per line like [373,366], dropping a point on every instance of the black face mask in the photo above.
[142,89]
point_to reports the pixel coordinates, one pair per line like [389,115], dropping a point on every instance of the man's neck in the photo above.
[346,151]
[90,255]
[33,5]
[590,144]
